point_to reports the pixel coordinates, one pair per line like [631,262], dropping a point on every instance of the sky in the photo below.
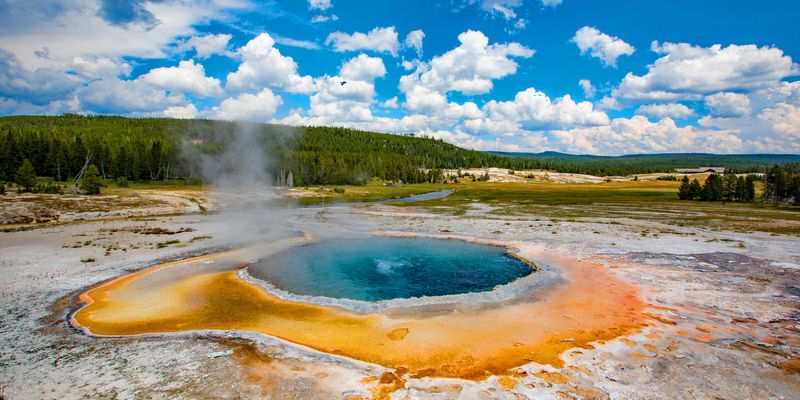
[578,76]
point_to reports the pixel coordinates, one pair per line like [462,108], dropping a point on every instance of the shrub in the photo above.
[91,181]
[161,245]
[338,190]
[667,178]
[122,181]
[49,188]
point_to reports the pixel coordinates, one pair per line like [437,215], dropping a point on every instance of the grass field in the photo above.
[609,202]
[654,201]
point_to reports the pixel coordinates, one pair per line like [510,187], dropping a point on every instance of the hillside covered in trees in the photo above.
[157,148]
[740,163]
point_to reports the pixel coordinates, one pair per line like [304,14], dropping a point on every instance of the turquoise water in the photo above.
[378,268]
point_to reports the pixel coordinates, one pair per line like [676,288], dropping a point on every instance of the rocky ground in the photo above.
[724,316]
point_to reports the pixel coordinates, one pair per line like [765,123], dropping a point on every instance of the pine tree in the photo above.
[775,184]
[9,157]
[729,186]
[713,189]
[684,191]
[695,190]
[741,187]
[26,176]
[749,188]
[796,190]
[91,180]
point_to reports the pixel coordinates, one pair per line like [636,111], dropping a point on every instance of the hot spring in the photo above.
[361,308]
[383,268]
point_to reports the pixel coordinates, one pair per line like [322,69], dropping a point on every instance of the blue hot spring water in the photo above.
[381,268]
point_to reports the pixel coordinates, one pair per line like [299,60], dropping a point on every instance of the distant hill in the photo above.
[160,148]
[663,161]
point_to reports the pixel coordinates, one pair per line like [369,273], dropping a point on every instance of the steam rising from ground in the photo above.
[243,163]
[240,176]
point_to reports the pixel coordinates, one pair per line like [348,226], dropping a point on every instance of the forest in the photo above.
[61,147]
[781,185]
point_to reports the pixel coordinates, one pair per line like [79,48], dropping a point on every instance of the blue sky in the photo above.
[594,77]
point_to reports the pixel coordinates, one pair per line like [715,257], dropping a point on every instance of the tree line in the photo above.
[140,149]
[782,184]
[729,187]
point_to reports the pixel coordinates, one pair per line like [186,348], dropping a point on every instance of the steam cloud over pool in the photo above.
[382,268]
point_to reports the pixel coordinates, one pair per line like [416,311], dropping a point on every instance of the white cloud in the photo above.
[608,103]
[465,140]
[671,110]
[39,86]
[207,45]
[338,103]
[363,68]
[414,41]
[390,103]
[771,122]
[600,45]
[784,119]
[263,65]
[378,39]
[248,107]
[422,99]
[502,7]
[728,104]
[468,110]
[304,44]
[319,4]
[533,110]
[181,112]
[765,120]
[786,92]
[115,96]
[187,77]
[76,29]
[323,18]
[469,69]
[507,9]
[689,72]
[588,88]
[345,99]
[639,135]
[552,3]
[100,67]
[22,107]
[348,99]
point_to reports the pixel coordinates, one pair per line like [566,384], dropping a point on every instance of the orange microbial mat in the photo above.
[458,340]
